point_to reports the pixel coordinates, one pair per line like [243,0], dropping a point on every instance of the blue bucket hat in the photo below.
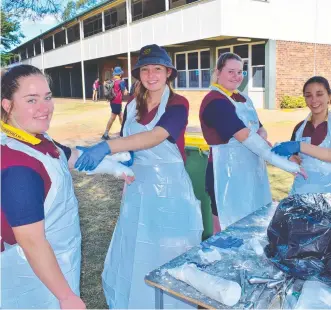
[117,71]
[153,55]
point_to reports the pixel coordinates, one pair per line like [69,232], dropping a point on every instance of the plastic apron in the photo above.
[240,176]
[21,288]
[160,218]
[319,172]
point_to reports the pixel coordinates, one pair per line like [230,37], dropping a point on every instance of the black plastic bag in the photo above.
[299,236]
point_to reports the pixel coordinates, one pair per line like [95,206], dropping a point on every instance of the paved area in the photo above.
[78,123]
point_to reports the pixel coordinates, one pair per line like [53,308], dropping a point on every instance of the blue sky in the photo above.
[31,29]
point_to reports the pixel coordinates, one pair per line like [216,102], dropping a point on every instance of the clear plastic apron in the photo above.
[160,218]
[319,172]
[21,288]
[241,179]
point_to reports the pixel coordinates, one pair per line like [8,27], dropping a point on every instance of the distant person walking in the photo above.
[114,90]
[96,85]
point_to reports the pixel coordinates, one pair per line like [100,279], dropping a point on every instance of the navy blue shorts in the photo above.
[116,108]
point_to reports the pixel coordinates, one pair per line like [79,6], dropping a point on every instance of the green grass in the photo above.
[99,201]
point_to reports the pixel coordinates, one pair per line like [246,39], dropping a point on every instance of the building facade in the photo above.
[282,43]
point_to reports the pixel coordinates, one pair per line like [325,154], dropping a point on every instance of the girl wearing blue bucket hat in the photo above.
[160,217]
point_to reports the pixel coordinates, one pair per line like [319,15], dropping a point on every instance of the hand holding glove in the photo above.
[92,156]
[287,148]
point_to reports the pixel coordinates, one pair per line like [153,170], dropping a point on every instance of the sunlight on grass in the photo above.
[280,182]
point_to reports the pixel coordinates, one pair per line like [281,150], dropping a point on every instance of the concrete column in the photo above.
[166,5]
[42,55]
[103,21]
[26,53]
[128,22]
[81,31]
[270,75]
[53,42]
[128,11]
[213,58]
[66,34]
[34,49]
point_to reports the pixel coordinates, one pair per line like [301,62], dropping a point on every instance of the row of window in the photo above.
[194,68]
[113,17]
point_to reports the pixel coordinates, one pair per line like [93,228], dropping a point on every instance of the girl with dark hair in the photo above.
[311,138]
[40,231]
[160,217]
[236,175]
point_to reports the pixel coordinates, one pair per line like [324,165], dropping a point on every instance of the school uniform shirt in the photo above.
[24,187]
[317,134]
[96,85]
[219,122]
[218,118]
[174,120]
[119,87]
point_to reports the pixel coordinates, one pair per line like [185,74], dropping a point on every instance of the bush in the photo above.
[292,102]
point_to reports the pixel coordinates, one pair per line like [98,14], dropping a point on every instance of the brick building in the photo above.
[282,43]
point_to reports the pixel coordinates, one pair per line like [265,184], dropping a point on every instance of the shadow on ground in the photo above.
[99,199]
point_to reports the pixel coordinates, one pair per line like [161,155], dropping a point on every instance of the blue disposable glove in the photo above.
[92,156]
[129,163]
[287,148]
[229,242]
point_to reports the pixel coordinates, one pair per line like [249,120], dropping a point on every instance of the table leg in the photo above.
[158,298]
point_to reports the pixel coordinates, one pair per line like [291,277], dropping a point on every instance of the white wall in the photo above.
[108,43]
[34,61]
[292,20]
[63,55]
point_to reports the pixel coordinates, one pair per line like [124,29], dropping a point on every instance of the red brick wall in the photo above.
[295,64]
[110,63]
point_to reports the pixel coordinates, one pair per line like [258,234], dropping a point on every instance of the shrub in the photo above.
[292,102]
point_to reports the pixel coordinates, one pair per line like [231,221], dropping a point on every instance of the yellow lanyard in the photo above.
[224,90]
[18,134]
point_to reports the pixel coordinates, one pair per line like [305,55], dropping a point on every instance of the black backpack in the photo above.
[109,90]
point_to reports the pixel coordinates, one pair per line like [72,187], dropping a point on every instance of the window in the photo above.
[92,25]
[258,65]
[60,38]
[115,17]
[193,69]
[37,48]
[22,53]
[223,50]
[241,50]
[48,43]
[30,51]
[205,69]
[137,9]
[144,8]
[73,33]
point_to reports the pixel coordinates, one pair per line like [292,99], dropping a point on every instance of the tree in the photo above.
[11,35]
[32,9]
[74,7]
